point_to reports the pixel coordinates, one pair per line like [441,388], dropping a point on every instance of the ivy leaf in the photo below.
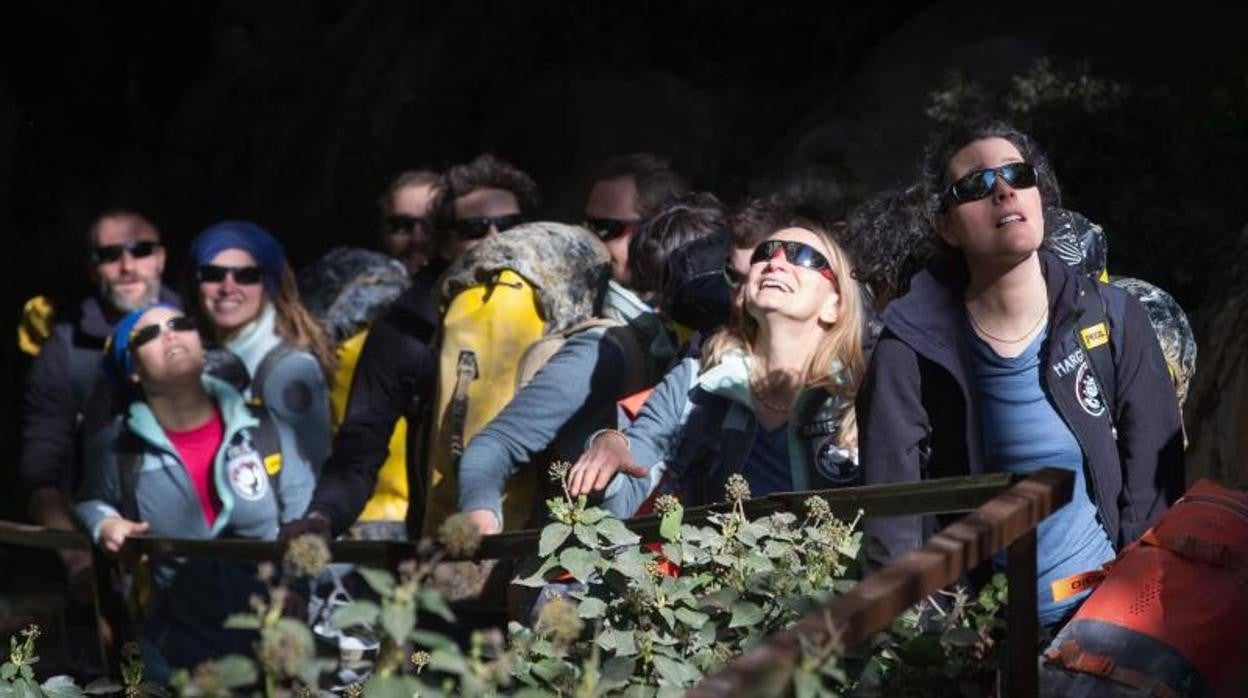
[435,603]
[616,673]
[667,615]
[381,581]
[579,563]
[379,686]
[615,531]
[398,619]
[669,525]
[102,687]
[676,672]
[586,535]
[61,687]
[431,640]
[238,671]
[243,621]
[721,599]
[553,536]
[8,671]
[538,578]
[593,515]
[961,637]
[744,614]
[355,613]
[692,618]
[591,608]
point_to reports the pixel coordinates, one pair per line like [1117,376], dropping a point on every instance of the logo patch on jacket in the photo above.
[1095,335]
[247,476]
[1089,391]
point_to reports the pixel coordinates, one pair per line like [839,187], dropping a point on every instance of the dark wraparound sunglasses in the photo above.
[400,224]
[243,276]
[733,277]
[479,227]
[137,249]
[608,229]
[980,183]
[143,335]
[798,253]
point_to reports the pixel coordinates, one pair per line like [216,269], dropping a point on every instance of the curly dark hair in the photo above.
[653,176]
[678,222]
[935,176]
[888,237]
[484,172]
[758,217]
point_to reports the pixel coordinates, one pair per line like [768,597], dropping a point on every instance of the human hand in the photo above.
[486,521]
[114,531]
[607,455]
[314,523]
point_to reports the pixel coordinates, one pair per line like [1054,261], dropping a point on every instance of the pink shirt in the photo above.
[198,450]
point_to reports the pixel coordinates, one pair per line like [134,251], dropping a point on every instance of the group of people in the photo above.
[929,333]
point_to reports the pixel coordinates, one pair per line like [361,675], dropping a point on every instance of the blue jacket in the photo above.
[192,597]
[918,419]
[570,398]
[699,429]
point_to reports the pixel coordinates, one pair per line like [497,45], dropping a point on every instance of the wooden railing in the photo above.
[1004,513]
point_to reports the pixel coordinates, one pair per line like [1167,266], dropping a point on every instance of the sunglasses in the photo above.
[980,183]
[143,335]
[608,229]
[243,276]
[479,227]
[137,249]
[401,224]
[798,253]
[733,277]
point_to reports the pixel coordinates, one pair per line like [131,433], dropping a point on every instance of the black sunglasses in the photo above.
[733,277]
[137,249]
[980,183]
[143,335]
[215,274]
[798,253]
[478,227]
[608,229]
[402,224]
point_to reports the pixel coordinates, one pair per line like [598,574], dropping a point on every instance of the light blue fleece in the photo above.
[295,390]
[570,398]
[164,494]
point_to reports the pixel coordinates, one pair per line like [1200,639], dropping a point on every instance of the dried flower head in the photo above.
[421,659]
[655,569]
[209,679]
[354,690]
[817,508]
[737,489]
[131,651]
[460,535]
[306,556]
[559,620]
[559,470]
[666,504]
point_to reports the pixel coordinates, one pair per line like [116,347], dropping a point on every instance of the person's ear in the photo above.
[830,311]
[944,228]
[159,252]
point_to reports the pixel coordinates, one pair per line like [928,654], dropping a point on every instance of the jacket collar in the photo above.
[234,413]
[256,339]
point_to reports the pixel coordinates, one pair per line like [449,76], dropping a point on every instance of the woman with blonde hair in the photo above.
[771,398]
[246,299]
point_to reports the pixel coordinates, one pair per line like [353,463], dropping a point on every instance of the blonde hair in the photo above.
[838,363]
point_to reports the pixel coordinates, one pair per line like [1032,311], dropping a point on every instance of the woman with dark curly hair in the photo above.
[1002,358]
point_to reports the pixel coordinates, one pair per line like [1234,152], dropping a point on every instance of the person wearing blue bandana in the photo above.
[187,458]
[771,396]
[246,299]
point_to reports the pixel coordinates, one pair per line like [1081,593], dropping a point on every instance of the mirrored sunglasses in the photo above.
[980,183]
[797,253]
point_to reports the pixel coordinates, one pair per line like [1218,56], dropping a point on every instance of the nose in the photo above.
[777,255]
[1001,190]
[126,261]
[227,284]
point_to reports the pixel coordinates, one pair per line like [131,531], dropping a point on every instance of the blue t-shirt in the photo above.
[766,468]
[1022,432]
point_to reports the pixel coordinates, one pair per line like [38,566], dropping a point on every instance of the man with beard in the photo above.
[66,399]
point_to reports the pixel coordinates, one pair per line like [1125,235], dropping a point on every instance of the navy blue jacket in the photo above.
[918,419]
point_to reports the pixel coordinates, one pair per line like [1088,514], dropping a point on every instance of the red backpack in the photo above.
[1167,619]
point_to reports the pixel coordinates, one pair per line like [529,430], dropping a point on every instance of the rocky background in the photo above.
[296,114]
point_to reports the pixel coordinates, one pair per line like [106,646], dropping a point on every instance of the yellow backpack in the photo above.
[500,298]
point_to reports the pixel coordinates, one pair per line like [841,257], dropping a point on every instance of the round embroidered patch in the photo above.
[834,462]
[247,477]
[1089,391]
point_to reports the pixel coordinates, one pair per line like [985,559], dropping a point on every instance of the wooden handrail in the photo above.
[948,495]
[1008,520]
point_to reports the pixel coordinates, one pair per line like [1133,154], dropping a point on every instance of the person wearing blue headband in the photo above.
[187,458]
[246,300]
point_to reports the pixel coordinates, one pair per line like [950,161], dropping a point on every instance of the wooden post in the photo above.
[1021,621]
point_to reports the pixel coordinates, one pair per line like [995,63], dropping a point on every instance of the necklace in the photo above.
[980,328]
[758,397]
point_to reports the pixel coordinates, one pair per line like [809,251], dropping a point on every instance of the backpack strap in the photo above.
[268,443]
[265,368]
[1092,333]
[465,373]
[1073,657]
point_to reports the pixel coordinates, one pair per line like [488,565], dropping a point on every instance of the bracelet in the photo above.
[592,437]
